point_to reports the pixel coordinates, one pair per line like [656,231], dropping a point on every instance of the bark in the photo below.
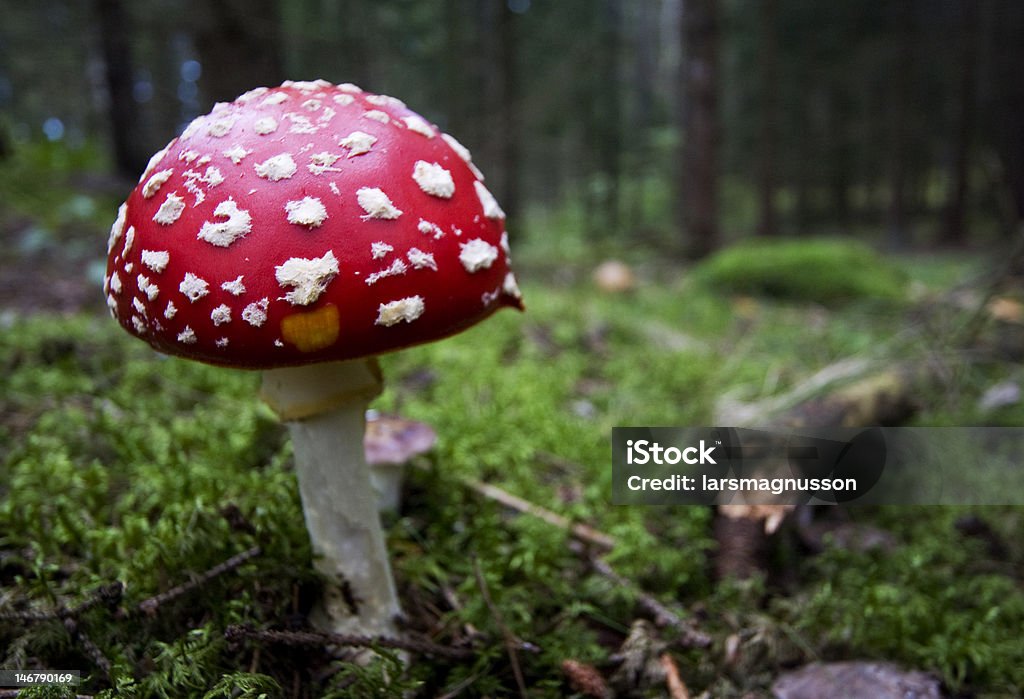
[742,547]
[645,69]
[5,143]
[954,224]
[115,29]
[769,58]
[507,110]
[457,70]
[495,82]
[356,43]
[840,168]
[897,166]
[799,165]
[606,117]
[1007,105]
[699,176]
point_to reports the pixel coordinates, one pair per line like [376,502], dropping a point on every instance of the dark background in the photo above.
[676,123]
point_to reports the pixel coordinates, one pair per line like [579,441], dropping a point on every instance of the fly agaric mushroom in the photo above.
[303,230]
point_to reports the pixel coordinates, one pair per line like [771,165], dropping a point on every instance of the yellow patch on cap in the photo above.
[312,330]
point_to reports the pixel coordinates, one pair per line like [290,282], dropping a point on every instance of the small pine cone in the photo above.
[585,679]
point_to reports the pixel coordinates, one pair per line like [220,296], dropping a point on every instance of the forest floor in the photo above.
[124,474]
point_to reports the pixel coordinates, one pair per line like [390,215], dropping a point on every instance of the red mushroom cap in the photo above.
[304,223]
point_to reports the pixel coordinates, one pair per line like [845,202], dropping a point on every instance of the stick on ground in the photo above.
[151,605]
[583,532]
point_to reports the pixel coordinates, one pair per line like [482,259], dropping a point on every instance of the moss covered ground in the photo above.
[121,466]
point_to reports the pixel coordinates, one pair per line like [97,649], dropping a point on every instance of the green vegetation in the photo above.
[120,465]
[820,270]
[37,182]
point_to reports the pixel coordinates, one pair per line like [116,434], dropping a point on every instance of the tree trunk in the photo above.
[645,67]
[699,177]
[769,58]
[115,29]
[607,114]
[954,224]
[239,46]
[799,163]
[840,164]
[507,111]
[897,219]
[458,70]
[1006,105]
[6,151]
[356,25]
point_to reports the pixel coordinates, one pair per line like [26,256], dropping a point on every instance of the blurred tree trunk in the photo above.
[1004,111]
[799,160]
[458,71]
[954,224]
[507,110]
[494,84]
[897,220]
[1013,151]
[115,30]
[699,176]
[6,151]
[606,117]
[645,68]
[767,224]
[355,42]
[239,46]
[840,165]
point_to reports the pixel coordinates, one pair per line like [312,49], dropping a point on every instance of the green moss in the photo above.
[118,464]
[929,603]
[818,270]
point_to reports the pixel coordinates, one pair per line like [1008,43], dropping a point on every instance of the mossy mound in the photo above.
[822,270]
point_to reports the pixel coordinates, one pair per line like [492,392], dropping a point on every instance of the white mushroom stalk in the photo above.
[325,408]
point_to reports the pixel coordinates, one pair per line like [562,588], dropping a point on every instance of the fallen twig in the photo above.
[583,532]
[318,638]
[86,644]
[459,687]
[510,640]
[456,605]
[690,636]
[108,595]
[673,682]
[663,616]
[151,605]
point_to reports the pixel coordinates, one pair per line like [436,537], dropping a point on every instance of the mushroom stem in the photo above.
[325,408]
